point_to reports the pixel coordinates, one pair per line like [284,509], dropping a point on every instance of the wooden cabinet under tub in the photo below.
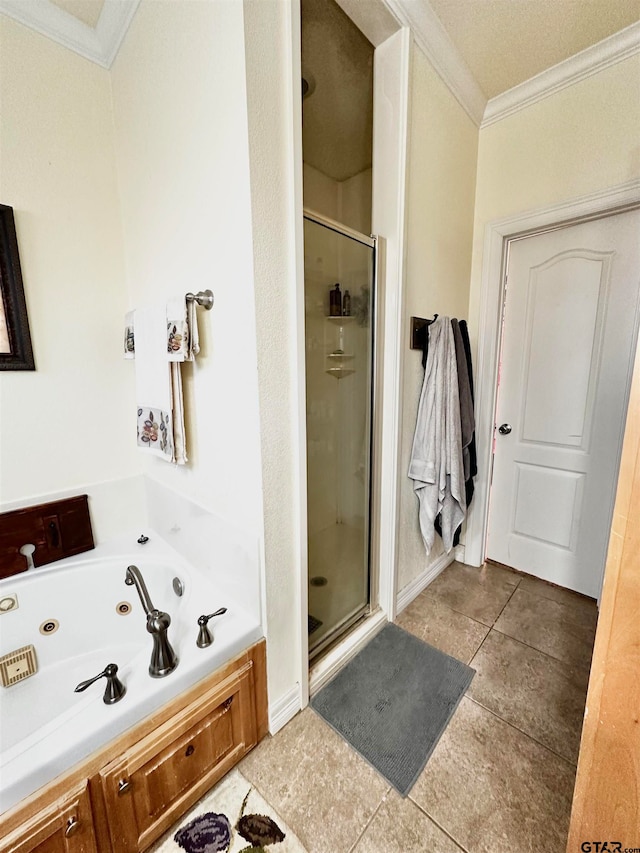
[62,826]
[129,793]
[148,787]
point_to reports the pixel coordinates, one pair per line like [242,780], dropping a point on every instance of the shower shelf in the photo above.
[338,361]
[340,372]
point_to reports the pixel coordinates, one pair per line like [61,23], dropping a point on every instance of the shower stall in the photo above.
[339,343]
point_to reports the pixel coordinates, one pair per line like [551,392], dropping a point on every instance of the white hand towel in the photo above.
[154,394]
[192,324]
[179,436]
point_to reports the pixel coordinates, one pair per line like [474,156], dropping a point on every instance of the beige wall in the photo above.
[178,191]
[180,111]
[580,140]
[67,425]
[440,198]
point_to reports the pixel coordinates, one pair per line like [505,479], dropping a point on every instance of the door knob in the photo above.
[504,429]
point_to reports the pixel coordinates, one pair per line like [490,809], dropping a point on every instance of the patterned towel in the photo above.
[160,402]
[183,341]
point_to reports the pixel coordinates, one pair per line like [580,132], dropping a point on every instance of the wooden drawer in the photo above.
[150,786]
[65,826]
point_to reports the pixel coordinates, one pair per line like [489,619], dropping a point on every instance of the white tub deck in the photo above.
[46,728]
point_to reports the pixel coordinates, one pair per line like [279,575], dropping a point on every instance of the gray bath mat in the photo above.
[393,701]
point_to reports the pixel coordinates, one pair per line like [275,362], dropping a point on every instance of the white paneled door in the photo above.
[569,330]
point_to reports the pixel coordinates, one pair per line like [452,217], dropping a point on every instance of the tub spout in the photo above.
[134,577]
[163,658]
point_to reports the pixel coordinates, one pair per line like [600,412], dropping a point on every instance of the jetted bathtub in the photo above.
[74,613]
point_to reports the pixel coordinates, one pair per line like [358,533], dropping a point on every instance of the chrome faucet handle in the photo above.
[115,689]
[205,637]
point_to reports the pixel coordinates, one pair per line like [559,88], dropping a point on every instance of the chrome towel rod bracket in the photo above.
[202,297]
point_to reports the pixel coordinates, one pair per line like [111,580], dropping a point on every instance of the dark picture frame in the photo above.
[16,352]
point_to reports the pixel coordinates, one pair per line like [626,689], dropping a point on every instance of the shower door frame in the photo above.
[371,241]
[392,38]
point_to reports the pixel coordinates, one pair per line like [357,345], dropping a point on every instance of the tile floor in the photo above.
[501,778]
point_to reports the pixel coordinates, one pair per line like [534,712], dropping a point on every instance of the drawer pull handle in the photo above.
[123,786]
[190,750]
[72,826]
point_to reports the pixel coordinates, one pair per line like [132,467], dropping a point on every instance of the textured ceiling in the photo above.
[337,117]
[505,42]
[87,11]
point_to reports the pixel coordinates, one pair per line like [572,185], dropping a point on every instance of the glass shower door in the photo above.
[339,371]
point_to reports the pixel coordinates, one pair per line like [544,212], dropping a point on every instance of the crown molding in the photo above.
[588,62]
[112,26]
[99,45]
[432,38]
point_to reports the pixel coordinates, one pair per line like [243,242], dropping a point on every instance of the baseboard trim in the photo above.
[330,664]
[458,553]
[284,709]
[415,587]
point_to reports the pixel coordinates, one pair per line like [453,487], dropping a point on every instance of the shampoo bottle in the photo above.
[346,304]
[335,302]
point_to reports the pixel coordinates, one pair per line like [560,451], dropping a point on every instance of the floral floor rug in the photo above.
[232,818]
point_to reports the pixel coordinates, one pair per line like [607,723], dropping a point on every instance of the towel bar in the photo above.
[202,297]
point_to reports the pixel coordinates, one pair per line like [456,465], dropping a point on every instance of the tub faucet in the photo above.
[163,658]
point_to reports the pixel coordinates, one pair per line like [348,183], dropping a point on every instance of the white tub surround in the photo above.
[226,553]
